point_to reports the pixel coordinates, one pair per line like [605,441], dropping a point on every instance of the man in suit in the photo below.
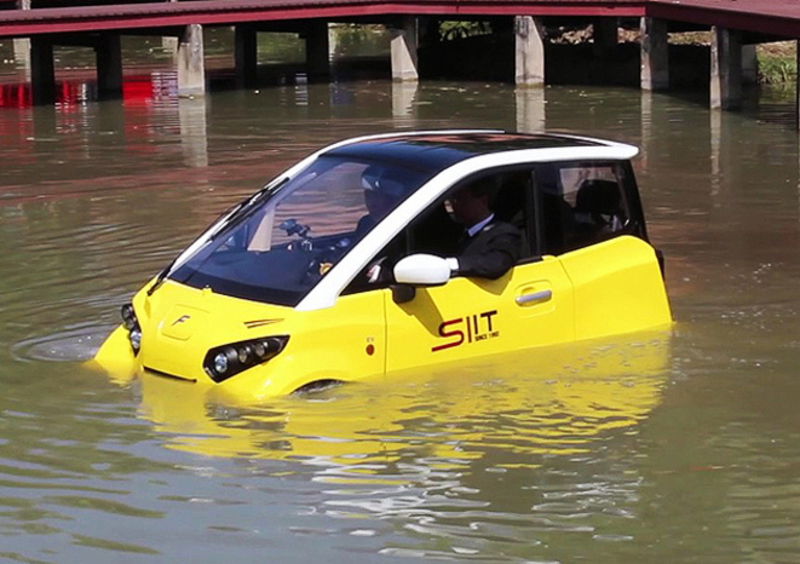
[490,247]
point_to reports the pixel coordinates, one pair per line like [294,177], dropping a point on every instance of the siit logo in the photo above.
[181,319]
[470,329]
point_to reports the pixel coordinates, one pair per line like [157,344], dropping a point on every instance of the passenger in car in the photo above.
[598,212]
[382,192]
[489,247]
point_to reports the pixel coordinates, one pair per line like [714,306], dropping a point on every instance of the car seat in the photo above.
[598,213]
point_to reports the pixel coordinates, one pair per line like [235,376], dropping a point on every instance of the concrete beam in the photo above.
[404,44]
[108,53]
[43,75]
[528,51]
[191,62]
[654,71]
[726,69]
[246,55]
[318,62]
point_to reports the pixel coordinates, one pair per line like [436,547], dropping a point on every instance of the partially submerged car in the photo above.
[280,294]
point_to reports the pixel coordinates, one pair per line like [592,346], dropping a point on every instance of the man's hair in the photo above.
[487,186]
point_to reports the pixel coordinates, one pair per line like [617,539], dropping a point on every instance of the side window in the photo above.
[435,230]
[582,203]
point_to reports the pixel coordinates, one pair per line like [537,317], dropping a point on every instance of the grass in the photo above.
[777,62]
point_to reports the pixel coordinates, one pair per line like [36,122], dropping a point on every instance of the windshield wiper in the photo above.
[245,207]
[161,277]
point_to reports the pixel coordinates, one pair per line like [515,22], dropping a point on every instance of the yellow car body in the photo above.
[194,325]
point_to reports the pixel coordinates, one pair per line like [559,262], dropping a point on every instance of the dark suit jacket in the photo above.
[491,252]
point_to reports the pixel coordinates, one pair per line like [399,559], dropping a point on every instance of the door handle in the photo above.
[535,297]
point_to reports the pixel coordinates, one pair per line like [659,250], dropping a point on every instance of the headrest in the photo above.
[598,196]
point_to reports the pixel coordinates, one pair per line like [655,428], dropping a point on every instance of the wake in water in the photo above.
[73,345]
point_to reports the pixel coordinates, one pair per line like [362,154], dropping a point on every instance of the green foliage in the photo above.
[777,69]
[450,30]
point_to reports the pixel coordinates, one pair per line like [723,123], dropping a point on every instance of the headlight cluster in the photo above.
[228,360]
[131,323]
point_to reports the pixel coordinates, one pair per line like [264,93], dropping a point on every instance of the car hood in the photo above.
[180,324]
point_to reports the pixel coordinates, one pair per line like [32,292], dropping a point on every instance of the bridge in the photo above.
[735,26]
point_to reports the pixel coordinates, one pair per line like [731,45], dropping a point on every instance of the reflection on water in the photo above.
[576,395]
[681,448]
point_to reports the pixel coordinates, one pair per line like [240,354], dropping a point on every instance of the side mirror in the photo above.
[422,270]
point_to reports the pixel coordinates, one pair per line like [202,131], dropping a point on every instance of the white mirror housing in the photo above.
[422,270]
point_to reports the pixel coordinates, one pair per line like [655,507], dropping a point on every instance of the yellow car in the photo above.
[347,266]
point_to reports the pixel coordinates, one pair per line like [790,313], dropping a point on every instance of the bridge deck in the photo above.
[774,17]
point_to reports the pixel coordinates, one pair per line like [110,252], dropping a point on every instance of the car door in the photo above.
[616,276]
[466,318]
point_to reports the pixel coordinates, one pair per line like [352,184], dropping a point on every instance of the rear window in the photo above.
[583,203]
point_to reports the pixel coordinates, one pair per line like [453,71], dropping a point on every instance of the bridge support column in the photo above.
[654,70]
[246,55]
[190,62]
[108,54]
[404,44]
[22,45]
[43,74]
[604,36]
[726,69]
[749,64]
[318,63]
[528,51]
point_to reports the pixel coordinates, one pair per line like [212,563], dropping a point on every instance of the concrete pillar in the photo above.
[528,51]
[726,69]
[22,51]
[530,106]
[170,44]
[654,73]
[43,74]
[22,45]
[318,63]
[749,64]
[604,36]
[190,62]
[246,56]
[108,54]
[404,43]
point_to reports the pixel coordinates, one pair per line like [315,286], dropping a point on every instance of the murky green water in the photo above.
[645,448]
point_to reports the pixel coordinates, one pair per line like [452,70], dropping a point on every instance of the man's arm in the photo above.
[492,253]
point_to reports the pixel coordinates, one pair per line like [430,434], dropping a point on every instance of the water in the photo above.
[681,447]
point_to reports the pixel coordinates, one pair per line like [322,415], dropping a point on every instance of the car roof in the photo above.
[433,151]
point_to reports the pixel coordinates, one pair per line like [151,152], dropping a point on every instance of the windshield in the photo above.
[277,247]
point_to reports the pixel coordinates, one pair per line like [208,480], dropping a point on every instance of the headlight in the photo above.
[228,360]
[131,323]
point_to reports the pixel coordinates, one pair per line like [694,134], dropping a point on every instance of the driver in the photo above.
[382,192]
[489,247]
